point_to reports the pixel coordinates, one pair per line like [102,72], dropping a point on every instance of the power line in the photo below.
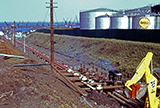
[55,15]
[47,13]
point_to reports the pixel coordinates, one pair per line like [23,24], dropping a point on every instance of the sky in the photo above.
[36,11]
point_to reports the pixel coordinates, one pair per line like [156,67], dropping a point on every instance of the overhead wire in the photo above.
[46,15]
[56,20]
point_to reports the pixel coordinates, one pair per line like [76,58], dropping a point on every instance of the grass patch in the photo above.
[127,53]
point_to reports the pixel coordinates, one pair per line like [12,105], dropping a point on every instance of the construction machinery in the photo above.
[137,90]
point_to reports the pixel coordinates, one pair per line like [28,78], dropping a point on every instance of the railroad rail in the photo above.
[44,56]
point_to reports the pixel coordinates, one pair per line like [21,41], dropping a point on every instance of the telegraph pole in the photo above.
[14,34]
[52,31]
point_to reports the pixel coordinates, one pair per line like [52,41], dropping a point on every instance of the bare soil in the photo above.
[39,87]
[34,86]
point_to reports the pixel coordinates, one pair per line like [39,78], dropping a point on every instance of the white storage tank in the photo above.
[87,18]
[103,22]
[144,21]
[158,22]
[120,22]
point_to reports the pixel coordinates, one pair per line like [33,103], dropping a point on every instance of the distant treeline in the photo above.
[124,34]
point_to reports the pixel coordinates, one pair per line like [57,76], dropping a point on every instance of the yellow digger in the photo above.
[143,69]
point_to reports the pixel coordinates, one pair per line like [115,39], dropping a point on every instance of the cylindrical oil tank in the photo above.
[120,22]
[103,22]
[87,18]
[129,22]
[158,22]
[149,21]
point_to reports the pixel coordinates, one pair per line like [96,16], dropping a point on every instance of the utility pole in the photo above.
[14,34]
[52,31]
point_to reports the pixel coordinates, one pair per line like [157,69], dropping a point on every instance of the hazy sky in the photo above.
[35,10]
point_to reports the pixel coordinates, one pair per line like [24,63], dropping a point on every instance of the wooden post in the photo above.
[52,33]
[14,34]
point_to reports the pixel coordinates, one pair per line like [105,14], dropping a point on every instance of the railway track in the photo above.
[83,79]
[44,56]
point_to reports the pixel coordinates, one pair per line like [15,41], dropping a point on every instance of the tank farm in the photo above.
[89,82]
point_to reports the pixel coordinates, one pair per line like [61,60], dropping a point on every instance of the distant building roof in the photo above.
[103,16]
[100,10]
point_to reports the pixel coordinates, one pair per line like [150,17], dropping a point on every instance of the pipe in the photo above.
[127,100]
[68,74]
[133,100]
[67,80]
[118,99]
[112,87]
[36,64]
[11,55]
[86,89]
[79,83]
[74,78]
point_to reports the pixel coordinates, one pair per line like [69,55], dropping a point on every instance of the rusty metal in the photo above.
[93,84]
[80,69]
[118,99]
[2,47]
[43,56]
[83,70]
[68,74]
[79,83]
[63,71]
[74,78]
[137,102]
[135,88]
[67,80]
[112,87]
[127,100]
[86,89]
[6,48]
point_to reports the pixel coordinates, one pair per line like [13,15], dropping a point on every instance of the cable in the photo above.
[56,20]
[46,15]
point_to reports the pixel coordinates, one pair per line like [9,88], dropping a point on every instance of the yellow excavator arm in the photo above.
[140,70]
[143,68]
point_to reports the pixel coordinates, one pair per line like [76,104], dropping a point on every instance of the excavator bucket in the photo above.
[138,91]
[141,92]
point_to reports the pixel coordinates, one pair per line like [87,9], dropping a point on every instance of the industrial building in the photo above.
[147,17]
[87,18]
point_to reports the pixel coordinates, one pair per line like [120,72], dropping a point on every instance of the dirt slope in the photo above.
[91,50]
[34,87]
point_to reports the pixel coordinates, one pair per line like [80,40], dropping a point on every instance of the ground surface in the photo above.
[39,87]
[32,87]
